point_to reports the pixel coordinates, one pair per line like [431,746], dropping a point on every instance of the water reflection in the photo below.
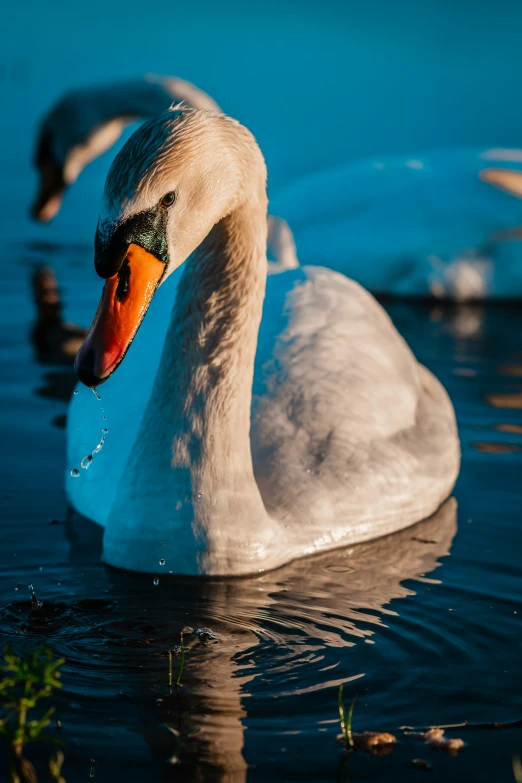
[281,637]
[333,601]
[55,341]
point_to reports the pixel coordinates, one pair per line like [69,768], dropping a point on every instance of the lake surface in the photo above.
[424,627]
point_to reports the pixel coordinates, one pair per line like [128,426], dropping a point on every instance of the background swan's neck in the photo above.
[101,114]
[149,96]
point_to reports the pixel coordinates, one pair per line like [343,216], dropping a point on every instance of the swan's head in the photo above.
[70,136]
[176,177]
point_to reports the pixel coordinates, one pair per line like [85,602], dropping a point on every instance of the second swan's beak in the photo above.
[50,194]
[124,302]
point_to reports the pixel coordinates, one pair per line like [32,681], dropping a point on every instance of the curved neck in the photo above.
[147,97]
[102,113]
[214,338]
[190,471]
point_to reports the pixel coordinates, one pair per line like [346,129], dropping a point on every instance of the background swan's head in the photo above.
[70,136]
[176,177]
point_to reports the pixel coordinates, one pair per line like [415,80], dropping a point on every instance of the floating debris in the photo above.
[421,764]
[378,743]
[205,635]
[435,738]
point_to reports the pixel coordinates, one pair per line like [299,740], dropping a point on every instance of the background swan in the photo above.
[427,224]
[85,122]
[345,438]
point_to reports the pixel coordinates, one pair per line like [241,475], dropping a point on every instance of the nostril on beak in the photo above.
[84,367]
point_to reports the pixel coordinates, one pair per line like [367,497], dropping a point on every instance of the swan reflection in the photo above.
[273,632]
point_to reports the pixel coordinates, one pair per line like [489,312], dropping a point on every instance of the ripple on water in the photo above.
[442,651]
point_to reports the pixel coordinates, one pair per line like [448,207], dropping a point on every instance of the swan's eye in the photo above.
[168,199]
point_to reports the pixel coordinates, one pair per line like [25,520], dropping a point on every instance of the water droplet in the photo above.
[75,472]
[76,391]
[156,581]
[99,447]
[35,603]
[162,561]
[40,568]
[105,418]
[200,494]
[95,392]
[86,461]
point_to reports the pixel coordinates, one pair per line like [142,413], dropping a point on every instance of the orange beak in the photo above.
[124,302]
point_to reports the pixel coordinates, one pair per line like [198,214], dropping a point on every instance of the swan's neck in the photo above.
[138,98]
[148,97]
[212,345]
[99,117]
[103,112]
[189,483]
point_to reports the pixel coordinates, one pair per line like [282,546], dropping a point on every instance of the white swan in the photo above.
[428,224]
[263,432]
[85,122]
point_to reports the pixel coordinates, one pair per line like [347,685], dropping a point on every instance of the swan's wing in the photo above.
[350,434]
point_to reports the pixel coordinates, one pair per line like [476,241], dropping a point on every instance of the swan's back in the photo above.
[347,426]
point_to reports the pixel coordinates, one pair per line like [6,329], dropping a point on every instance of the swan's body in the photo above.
[346,436]
[428,224]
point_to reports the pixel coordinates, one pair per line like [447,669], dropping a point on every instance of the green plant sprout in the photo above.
[24,683]
[181,662]
[55,767]
[346,723]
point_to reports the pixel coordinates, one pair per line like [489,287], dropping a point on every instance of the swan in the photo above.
[428,224]
[85,122]
[261,429]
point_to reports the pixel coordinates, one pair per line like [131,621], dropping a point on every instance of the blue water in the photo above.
[424,627]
